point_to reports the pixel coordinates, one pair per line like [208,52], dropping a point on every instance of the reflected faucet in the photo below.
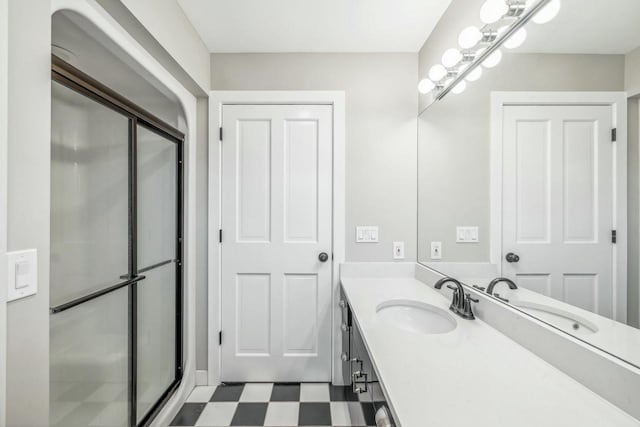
[461,302]
[497,280]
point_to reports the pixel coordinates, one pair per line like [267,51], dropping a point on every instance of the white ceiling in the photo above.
[588,26]
[314,25]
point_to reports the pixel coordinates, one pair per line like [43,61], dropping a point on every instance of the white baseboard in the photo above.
[202,378]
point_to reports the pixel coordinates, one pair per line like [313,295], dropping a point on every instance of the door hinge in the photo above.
[614,237]
[614,135]
[220,235]
[220,134]
[220,338]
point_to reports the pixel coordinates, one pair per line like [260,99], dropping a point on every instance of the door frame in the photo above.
[217,99]
[618,103]
[4,111]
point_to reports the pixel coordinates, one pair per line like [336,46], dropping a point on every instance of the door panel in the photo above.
[89,195]
[557,199]
[156,349]
[89,364]
[157,198]
[254,181]
[276,201]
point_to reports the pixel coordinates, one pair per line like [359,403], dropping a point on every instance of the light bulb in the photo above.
[493,59]
[548,12]
[475,74]
[437,72]
[492,10]
[425,86]
[516,39]
[469,37]
[459,88]
[451,57]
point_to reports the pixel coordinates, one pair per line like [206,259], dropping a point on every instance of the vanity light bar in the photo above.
[492,38]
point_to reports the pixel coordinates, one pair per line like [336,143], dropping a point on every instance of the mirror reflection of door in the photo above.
[558,203]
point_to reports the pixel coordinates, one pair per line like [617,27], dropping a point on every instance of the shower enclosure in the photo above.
[116,256]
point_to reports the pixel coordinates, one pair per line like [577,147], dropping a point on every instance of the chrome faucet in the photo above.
[461,302]
[497,280]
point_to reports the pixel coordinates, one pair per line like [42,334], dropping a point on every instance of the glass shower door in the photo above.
[157,177]
[89,252]
[116,257]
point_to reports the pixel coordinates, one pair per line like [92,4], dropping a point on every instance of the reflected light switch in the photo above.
[22,274]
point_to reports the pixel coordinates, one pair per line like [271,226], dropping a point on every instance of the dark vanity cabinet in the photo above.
[362,375]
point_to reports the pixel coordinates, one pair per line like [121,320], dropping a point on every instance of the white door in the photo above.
[558,204]
[276,223]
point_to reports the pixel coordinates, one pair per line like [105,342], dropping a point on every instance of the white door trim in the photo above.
[4,107]
[216,100]
[103,21]
[618,102]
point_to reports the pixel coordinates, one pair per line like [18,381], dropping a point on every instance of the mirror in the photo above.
[532,174]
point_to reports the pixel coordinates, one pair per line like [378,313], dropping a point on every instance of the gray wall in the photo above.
[632,72]
[633,213]
[168,24]
[632,86]
[28,208]
[455,131]
[202,220]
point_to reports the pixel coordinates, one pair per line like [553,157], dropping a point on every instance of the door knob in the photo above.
[511,257]
[323,257]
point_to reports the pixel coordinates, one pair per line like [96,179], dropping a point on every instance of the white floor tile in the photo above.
[258,392]
[282,414]
[310,392]
[201,394]
[347,414]
[217,414]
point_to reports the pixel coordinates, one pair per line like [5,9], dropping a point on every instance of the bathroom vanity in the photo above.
[437,369]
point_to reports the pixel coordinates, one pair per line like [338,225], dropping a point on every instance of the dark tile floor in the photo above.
[275,404]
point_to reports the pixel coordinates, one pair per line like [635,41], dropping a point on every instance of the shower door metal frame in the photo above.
[74,79]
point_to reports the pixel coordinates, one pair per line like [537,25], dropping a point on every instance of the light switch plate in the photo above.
[367,234]
[398,250]
[436,250]
[467,235]
[22,274]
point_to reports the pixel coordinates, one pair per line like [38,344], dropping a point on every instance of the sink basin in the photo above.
[558,317]
[416,316]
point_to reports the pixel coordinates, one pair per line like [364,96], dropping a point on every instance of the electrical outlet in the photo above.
[398,250]
[436,250]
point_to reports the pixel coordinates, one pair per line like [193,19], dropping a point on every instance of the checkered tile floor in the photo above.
[278,404]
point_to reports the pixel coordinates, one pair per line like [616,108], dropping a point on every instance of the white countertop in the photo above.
[473,375]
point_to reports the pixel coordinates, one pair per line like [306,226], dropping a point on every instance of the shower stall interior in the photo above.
[116,256]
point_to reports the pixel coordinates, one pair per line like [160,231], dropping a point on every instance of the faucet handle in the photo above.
[453,288]
[467,311]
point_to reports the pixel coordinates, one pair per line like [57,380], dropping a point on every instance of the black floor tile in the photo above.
[314,414]
[188,414]
[285,392]
[338,393]
[227,393]
[369,411]
[249,414]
